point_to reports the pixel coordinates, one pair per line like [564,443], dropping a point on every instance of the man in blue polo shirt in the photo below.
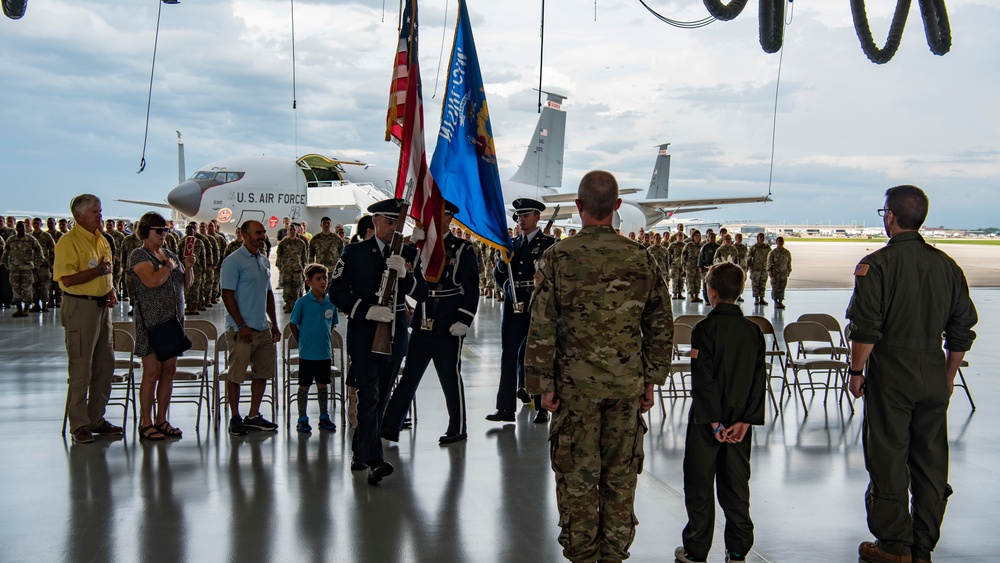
[312,321]
[251,327]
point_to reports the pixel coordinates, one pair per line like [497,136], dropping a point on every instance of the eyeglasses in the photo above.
[881,212]
[158,230]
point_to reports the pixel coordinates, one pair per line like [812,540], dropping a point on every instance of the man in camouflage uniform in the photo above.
[21,256]
[172,239]
[692,271]
[234,245]
[727,252]
[675,250]
[741,251]
[192,295]
[43,273]
[326,246]
[6,294]
[659,252]
[211,260]
[109,228]
[293,251]
[779,266]
[130,243]
[706,258]
[600,338]
[217,238]
[757,264]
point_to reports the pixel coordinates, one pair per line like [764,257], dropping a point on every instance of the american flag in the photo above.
[400,73]
[427,207]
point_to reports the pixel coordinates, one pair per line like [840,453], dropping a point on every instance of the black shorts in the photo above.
[310,370]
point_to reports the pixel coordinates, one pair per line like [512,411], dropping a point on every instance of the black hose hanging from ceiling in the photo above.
[772,24]
[725,12]
[936,25]
[861,26]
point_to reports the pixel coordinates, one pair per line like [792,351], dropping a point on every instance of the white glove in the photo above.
[418,235]
[380,314]
[396,262]
[459,329]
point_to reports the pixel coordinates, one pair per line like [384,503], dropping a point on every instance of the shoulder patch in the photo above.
[861,270]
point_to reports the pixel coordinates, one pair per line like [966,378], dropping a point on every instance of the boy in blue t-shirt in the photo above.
[312,321]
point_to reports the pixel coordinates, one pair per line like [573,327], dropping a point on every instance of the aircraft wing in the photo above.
[160,204]
[570,197]
[689,205]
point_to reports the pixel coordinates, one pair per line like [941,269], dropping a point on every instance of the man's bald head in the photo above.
[598,194]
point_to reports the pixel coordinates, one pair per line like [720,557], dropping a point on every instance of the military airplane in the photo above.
[541,170]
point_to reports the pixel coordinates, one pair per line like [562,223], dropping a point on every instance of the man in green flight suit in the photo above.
[906,296]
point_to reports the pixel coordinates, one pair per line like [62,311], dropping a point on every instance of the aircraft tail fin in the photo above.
[180,160]
[659,184]
[543,161]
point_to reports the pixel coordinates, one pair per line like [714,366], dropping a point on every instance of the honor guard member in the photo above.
[757,264]
[21,256]
[779,267]
[439,327]
[692,271]
[43,273]
[601,337]
[129,244]
[528,248]
[907,295]
[354,288]
[291,260]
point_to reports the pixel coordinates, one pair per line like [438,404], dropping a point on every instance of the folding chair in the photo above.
[775,352]
[122,379]
[799,335]
[290,373]
[339,371]
[221,379]
[679,367]
[965,385]
[690,319]
[212,333]
[831,324]
[191,381]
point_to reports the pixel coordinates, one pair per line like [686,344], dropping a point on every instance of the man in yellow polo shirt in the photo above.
[83,267]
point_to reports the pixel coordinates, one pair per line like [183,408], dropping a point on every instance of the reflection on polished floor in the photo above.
[293,497]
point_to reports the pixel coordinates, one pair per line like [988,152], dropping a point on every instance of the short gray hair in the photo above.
[83,202]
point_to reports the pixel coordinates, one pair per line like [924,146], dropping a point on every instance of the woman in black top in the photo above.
[160,280]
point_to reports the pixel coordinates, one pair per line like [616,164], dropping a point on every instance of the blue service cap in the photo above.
[451,207]
[524,205]
[387,208]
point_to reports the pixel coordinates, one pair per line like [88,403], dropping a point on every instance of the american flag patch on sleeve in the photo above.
[861,270]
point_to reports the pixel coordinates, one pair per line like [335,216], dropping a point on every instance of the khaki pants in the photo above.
[91,354]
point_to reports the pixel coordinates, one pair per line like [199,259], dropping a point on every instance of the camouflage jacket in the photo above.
[659,253]
[292,255]
[601,323]
[325,249]
[130,243]
[199,254]
[232,247]
[48,245]
[675,252]
[779,262]
[22,253]
[211,250]
[727,254]
[757,259]
[56,235]
[741,254]
[7,232]
[689,257]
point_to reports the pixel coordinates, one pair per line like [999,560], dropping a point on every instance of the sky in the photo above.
[75,75]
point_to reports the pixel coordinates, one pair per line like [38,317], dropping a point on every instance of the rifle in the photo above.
[548,226]
[382,343]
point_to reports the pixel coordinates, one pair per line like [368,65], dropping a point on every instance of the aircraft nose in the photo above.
[186,198]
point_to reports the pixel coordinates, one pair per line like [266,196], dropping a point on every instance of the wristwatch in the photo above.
[855,372]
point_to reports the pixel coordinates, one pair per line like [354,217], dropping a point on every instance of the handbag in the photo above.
[167,338]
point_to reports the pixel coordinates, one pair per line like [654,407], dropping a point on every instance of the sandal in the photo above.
[150,433]
[169,431]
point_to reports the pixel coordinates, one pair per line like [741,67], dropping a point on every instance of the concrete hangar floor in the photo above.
[286,496]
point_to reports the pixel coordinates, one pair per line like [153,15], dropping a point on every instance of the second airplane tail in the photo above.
[543,162]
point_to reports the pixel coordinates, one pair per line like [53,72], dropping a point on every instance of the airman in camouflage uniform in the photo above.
[192,295]
[6,294]
[211,261]
[741,251]
[130,243]
[291,260]
[116,274]
[326,246]
[234,245]
[172,239]
[600,338]
[220,242]
[689,257]
[675,251]
[43,271]
[757,264]
[659,252]
[727,252]
[779,266]
[21,256]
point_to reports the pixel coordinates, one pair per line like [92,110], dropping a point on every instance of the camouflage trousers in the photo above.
[43,284]
[596,448]
[22,283]
[192,295]
[206,285]
[291,288]
[758,281]
[694,283]
[216,287]
[778,283]
[677,276]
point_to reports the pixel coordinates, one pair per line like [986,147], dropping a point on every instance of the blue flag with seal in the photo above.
[465,162]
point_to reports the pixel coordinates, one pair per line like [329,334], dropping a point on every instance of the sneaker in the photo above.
[326,424]
[105,428]
[260,423]
[681,555]
[236,427]
[734,557]
[357,464]
[83,436]
[303,424]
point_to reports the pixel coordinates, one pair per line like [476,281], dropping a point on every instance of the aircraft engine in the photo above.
[629,218]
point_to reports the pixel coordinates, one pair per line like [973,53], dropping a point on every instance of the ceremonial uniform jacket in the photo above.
[455,297]
[357,279]
[601,324]
[522,264]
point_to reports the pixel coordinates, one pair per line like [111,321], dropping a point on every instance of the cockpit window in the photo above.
[223,177]
[203,175]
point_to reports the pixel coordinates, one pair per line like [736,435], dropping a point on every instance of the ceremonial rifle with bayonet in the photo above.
[382,343]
